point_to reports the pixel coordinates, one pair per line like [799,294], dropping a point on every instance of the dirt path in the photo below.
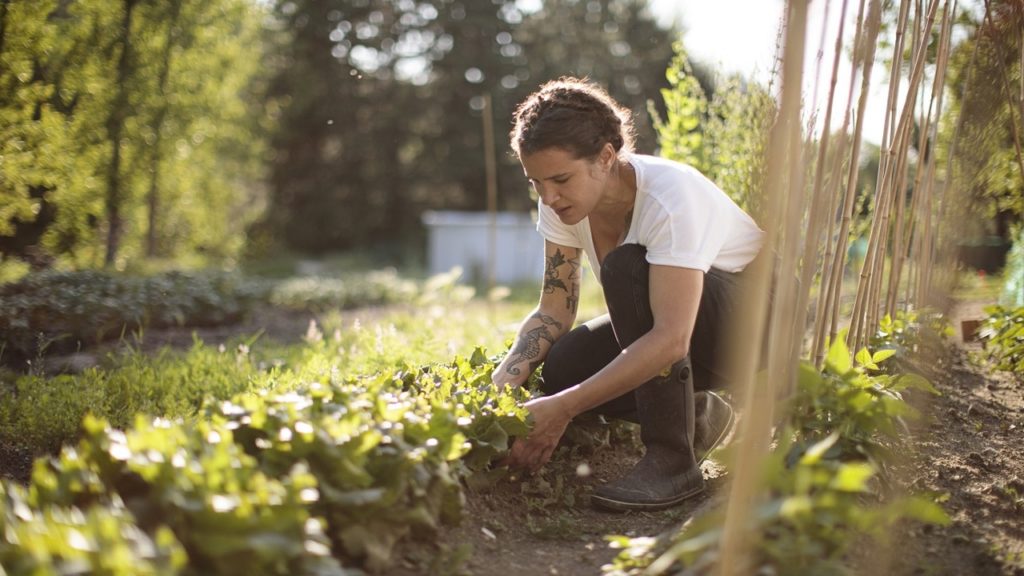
[971,448]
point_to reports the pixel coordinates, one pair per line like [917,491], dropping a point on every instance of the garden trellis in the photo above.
[810,199]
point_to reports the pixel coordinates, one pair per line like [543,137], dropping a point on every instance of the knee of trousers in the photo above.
[619,267]
[556,373]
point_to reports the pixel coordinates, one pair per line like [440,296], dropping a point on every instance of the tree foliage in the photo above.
[381,104]
[985,118]
[125,130]
[723,135]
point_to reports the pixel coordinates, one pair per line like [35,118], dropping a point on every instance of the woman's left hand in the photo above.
[550,418]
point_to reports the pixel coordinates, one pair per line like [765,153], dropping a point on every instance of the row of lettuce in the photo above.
[301,470]
[65,311]
[317,476]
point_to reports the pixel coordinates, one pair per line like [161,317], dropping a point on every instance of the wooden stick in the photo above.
[856,318]
[756,426]
[926,253]
[902,133]
[817,192]
[832,267]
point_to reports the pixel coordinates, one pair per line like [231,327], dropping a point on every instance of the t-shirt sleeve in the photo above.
[553,230]
[690,229]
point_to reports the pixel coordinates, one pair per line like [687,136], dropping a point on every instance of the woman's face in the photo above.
[570,186]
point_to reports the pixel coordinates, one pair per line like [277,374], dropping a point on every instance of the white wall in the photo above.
[463,239]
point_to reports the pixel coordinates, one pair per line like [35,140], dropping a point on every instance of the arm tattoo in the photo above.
[553,278]
[528,345]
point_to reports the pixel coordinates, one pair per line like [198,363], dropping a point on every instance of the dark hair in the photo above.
[573,114]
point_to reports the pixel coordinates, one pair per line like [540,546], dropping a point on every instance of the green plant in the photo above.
[62,540]
[315,471]
[61,311]
[1003,335]
[912,332]
[821,479]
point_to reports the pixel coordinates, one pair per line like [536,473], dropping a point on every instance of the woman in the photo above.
[669,245]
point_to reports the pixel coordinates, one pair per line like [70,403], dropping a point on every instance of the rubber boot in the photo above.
[667,473]
[713,418]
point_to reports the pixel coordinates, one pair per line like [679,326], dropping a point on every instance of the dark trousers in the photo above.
[593,345]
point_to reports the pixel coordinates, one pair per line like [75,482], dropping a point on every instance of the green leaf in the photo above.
[814,453]
[925,511]
[916,381]
[838,360]
[863,356]
[853,477]
[882,355]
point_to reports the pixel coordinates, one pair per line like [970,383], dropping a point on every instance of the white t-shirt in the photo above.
[681,217]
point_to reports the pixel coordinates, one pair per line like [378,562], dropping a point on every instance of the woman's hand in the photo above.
[550,418]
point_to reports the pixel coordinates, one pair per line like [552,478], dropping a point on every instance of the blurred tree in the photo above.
[985,116]
[85,87]
[381,104]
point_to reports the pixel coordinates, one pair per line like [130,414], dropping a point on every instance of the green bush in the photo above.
[375,288]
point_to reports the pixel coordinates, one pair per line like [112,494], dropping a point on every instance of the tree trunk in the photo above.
[115,128]
[153,195]
[3,23]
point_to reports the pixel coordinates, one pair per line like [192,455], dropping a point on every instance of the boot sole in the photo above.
[725,430]
[614,505]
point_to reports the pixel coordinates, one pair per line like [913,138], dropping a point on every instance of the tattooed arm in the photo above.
[552,318]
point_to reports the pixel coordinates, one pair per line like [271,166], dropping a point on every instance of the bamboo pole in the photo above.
[492,193]
[826,291]
[945,204]
[873,26]
[856,320]
[813,230]
[927,251]
[832,269]
[921,204]
[759,400]
[884,193]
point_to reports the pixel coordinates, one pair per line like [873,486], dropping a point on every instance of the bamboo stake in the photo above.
[813,232]
[945,203]
[901,243]
[826,291]
[832,272]
[885,191]
[756,427]
[921,206]
[899,170]
[856,319]
[927,249]
[873,26]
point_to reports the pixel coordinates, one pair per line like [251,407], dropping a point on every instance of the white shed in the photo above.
[464,239]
